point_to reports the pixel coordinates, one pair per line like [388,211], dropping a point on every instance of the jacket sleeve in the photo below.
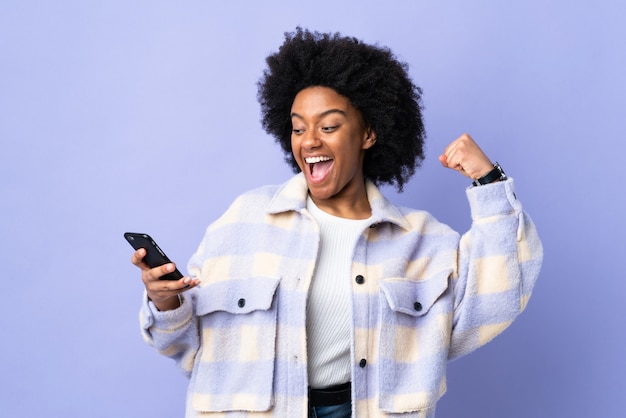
[176,333]
[172,333]
[498,263]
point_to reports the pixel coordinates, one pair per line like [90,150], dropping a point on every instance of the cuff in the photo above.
[493,199]
[151,316]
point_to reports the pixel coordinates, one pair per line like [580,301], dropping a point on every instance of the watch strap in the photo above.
[496,174]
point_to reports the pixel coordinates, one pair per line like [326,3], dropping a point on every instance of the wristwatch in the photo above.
[496,174]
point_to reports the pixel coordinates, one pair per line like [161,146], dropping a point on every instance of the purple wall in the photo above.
[142,116]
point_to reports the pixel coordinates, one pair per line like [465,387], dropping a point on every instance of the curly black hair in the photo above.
[370,76]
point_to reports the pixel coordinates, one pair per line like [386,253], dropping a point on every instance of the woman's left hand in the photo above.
[465,156]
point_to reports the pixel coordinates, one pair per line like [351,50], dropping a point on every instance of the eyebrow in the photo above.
[321,115]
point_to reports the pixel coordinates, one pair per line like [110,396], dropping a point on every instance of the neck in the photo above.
[352,205]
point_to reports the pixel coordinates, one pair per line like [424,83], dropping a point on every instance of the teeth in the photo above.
[313,160]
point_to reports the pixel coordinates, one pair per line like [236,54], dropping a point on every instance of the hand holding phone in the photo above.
[164,283]
[154,257]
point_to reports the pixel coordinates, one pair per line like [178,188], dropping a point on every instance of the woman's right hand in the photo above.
[163,293]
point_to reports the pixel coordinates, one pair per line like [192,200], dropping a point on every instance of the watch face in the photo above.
[502,173]
[499,168]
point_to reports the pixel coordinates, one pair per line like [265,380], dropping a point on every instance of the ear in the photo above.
[369,139]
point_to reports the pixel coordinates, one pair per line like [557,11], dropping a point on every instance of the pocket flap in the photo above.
[414,297]
[237,296]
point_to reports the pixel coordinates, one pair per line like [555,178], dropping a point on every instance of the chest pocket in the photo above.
[414,335]
[235,369]
[413,298]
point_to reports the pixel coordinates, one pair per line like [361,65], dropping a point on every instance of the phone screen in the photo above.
[155,257]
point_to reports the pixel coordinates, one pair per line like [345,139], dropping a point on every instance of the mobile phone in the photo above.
[155,256]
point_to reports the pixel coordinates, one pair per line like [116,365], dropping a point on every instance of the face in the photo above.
[328,141]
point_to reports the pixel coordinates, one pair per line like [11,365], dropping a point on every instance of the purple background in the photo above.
[142,116]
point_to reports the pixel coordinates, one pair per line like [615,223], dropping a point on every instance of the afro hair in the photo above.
[370,76]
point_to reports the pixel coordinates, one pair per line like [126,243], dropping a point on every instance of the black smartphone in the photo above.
[155,256]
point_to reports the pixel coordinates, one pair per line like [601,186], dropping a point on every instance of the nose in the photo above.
[310,140]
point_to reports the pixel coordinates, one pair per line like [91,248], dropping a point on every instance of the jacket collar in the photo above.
[292,195]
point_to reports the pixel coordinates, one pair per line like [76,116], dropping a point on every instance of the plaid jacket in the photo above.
[422,295]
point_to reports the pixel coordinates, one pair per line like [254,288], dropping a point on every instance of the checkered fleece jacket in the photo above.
[425,295]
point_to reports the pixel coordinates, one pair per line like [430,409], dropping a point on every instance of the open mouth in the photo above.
[318,166]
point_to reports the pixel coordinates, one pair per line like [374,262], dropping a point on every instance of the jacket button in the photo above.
[362,363]
[359,279]
[417,306]
[241,302]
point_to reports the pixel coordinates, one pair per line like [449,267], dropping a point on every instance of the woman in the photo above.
[319,297]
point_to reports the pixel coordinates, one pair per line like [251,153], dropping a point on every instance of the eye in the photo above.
[328,129]
[297,131]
